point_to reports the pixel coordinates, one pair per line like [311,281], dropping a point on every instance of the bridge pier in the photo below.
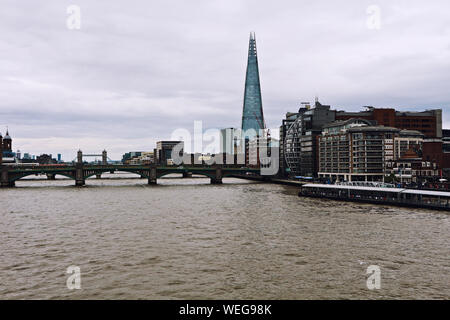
[218,178]
[216,181]
[8,184]
[79,174]
[4,179]
[152,176]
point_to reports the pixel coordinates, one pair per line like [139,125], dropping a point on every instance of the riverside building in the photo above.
[299,154]
[286,124]
[355,150]
[300,140]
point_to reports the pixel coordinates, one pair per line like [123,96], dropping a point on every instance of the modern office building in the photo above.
[259,151]
[131,155]
[355,150]
[232,148]
[163,151]
[286,124]
[298,154]
[300,140]
[228,140]
[28,158]
[252,113]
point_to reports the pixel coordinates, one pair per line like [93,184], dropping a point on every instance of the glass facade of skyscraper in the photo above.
[252,114]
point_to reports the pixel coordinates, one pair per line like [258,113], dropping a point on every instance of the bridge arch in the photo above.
[137,172]
[211,175]
[23,175]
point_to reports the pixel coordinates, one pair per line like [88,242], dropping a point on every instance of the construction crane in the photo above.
[262,124]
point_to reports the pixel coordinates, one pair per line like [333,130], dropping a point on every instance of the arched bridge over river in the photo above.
[79,172]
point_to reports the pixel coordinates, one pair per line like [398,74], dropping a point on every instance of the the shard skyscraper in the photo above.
[252,113]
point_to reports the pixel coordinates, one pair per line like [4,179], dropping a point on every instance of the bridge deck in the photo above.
[50,169]
[81,172]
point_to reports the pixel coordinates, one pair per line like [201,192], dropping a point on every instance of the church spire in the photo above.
[7,137]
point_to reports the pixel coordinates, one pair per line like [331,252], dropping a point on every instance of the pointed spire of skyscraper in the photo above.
[252,114]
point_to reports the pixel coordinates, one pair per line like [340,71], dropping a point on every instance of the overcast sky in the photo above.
[137,70]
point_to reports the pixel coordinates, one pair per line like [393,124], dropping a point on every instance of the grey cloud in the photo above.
[137,70]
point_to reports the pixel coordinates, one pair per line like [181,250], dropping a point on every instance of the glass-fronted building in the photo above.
[252,113]
[300,142]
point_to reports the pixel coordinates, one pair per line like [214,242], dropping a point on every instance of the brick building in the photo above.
[299,133]
[428,122]
[446,149]
[411,168]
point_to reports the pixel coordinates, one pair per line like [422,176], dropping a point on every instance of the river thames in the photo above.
[187,239]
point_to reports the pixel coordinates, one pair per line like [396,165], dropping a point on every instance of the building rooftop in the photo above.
[340,123]
[429,113]
[369,110]
[374,128]
[411,133]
